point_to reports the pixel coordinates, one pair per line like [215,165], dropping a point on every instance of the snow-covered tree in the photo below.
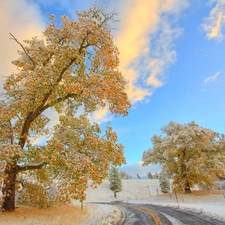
[115,180]
[125,175]
[156,176]
[74,66]
[138,176]
[149,174]
[191,154]
[164,182]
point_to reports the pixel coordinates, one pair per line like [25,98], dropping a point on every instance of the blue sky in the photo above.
[172,53]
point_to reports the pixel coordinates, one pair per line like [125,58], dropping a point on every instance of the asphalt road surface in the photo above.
[138,214]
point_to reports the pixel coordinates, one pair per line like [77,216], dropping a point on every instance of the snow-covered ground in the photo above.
[107,214]
[134,191]
[147,191]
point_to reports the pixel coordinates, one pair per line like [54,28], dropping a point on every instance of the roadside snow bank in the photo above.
[101,214]
[212,205]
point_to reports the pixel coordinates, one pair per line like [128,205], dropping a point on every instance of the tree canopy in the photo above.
[72,69]
[189,153]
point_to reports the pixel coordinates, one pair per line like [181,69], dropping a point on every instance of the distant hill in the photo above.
[132,189]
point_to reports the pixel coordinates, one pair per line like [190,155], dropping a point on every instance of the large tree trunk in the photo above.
[187,188]
[9,188]
[115,194]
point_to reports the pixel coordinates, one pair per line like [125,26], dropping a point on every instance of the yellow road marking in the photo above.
[155,217]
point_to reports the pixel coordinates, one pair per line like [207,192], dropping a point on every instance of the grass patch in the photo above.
[208,192]
[65,214]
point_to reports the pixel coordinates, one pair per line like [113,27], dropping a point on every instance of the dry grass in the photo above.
[208,192]
[63,215]
[200,192]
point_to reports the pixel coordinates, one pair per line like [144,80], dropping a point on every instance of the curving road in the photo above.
[138,214]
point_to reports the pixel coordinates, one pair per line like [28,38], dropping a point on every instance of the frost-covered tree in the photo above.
[164,182]
[149,174]
[115,180]
[138,176]
[74,66]
[191,154]
[125,175]
[156,175]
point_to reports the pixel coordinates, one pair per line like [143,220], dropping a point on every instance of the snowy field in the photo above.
[148,192]
[134,191]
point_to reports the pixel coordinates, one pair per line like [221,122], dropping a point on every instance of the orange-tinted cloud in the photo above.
[101,115]
[24,21]
[214,23]
[144,39]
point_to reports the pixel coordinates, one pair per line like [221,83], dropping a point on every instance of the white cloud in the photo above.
[215,21]
[38,140]
[212,78]
[136,168]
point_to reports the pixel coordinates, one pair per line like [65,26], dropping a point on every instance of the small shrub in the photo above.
[33,195]
[164,183]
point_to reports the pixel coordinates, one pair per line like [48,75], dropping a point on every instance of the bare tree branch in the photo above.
[31,167]
[14,38]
